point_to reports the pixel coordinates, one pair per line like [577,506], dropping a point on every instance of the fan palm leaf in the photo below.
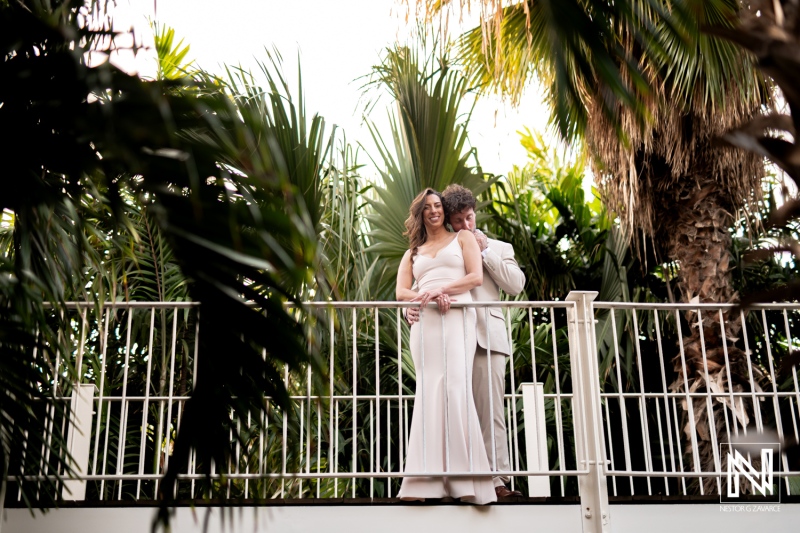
[428,145]
[565,43]
[321,165]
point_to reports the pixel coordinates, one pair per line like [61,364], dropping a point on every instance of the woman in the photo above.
[445,435]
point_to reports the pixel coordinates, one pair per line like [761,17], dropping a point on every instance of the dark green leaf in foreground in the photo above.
[72,131]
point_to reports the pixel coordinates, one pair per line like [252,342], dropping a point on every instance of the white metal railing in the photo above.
[138,365]
[589,399]
[760,403]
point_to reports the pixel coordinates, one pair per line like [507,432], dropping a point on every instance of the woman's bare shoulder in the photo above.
[465,236]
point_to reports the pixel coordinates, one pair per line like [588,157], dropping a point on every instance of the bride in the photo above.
[445,433]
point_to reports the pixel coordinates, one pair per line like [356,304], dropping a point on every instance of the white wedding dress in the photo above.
[444,417]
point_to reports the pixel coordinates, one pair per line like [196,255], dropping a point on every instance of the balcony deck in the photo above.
[592,427]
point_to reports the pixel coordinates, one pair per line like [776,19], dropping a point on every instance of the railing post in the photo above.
[595,516]
[536,438]
[79,439]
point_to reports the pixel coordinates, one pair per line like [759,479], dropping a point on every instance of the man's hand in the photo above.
[412,315]
[483,240]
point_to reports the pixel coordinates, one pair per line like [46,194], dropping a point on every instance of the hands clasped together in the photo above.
[442,300]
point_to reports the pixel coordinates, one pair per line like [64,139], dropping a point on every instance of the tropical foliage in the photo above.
[171,57]
[232,192]
[429,145]
[101,135]
[773,36]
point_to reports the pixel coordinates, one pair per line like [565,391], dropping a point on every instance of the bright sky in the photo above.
[338,41]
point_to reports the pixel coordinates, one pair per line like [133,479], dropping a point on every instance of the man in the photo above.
[501,271]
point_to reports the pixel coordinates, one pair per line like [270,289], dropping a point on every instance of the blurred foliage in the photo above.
[102,136]
[771,32]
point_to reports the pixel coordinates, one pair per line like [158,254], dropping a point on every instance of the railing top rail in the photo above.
[330,304]
[395,304]
[478,304]
[126,305]
[681,306]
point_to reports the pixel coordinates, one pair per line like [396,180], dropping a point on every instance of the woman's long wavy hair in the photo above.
[415,224]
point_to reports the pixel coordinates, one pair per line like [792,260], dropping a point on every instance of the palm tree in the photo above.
[774,38]
[649,95]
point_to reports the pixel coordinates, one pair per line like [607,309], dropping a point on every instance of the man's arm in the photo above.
[504,269]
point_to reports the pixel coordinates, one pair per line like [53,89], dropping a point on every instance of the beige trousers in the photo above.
[492,413]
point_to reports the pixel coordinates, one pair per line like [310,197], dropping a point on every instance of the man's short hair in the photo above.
[457,198]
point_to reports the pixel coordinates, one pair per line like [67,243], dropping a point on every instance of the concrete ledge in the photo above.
[291,502]
[625,518]
[328,519]
[656,499]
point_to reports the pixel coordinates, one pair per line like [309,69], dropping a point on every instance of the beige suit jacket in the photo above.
[500,271]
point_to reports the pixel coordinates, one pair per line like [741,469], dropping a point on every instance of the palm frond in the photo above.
[168,144]
[428,147]
[171,56]
[576,48]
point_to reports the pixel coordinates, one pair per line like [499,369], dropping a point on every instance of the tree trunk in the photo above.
[698,238]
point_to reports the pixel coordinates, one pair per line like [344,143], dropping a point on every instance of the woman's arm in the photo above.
[472,261]
[405,278]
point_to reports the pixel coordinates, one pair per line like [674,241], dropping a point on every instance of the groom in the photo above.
[501,271]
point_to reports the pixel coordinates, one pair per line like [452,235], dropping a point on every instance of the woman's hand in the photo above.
[425,297]
[442,300]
